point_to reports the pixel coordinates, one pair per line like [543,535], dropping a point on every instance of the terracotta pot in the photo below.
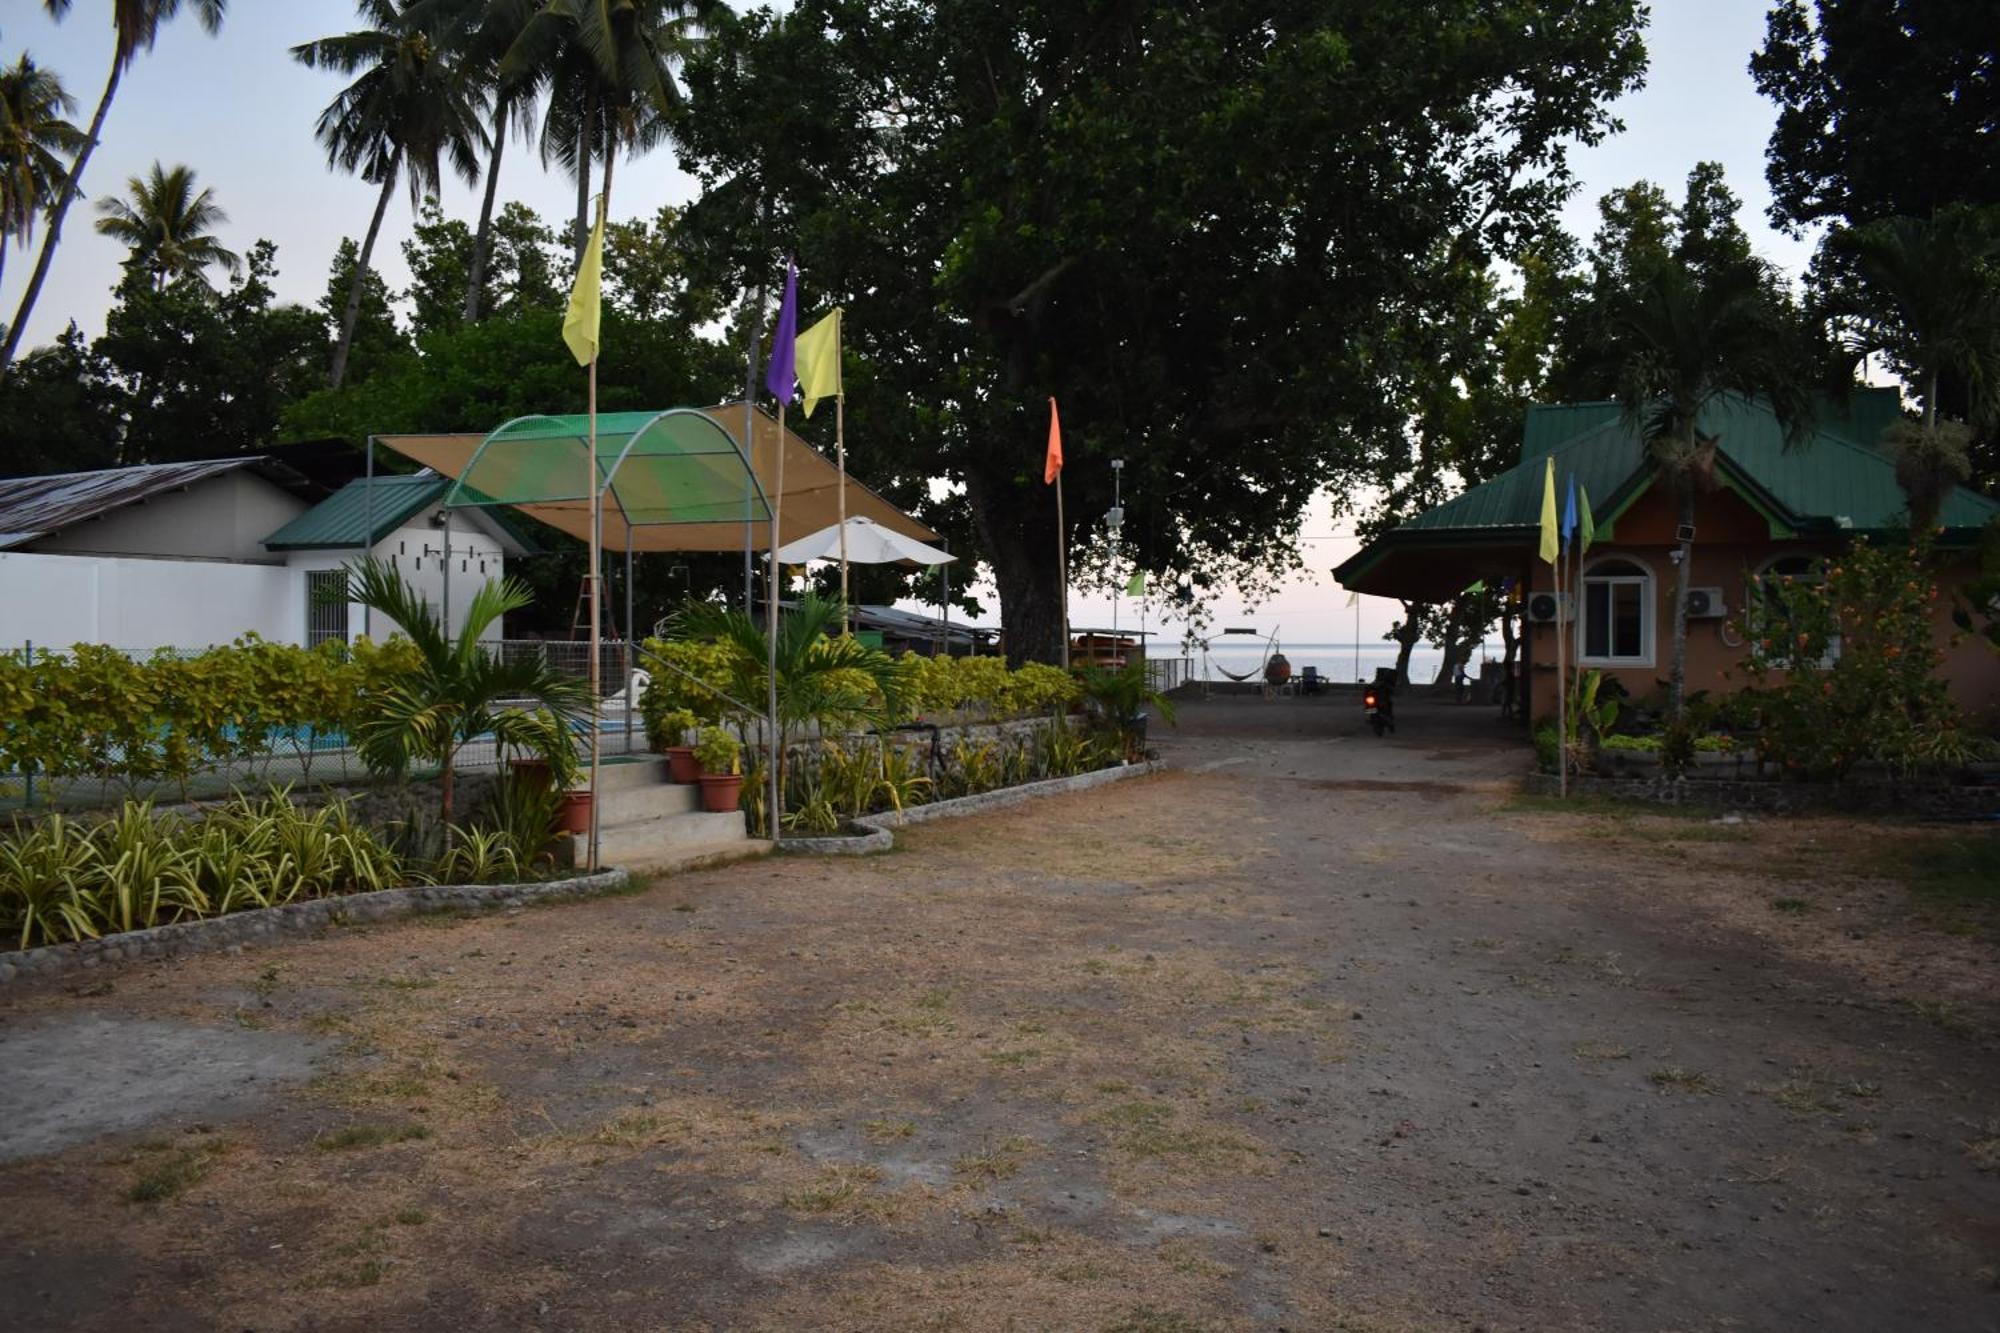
[681,765]
[721,792]
[574,814]
[535,772]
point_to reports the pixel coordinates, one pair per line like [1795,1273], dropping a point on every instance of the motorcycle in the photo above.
[1380,701]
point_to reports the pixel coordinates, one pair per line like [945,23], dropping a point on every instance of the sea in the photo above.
[1335,661]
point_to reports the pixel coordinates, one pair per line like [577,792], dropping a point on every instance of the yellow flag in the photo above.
[580,321]
[819,360]
[1549,543]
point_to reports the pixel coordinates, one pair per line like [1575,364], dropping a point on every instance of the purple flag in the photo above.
[782,377]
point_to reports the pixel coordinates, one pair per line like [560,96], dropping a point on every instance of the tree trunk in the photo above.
[444,803]
[1677,680]
[352,315]
[1407,635]
[71,183]
[581,232]
[1024,567]
[482,240]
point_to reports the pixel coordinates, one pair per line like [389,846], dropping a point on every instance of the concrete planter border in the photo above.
[879,837]
[267,924]
[1786,798]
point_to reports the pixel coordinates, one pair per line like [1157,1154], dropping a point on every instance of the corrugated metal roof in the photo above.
[1551,424]
[341,521]
[35,507]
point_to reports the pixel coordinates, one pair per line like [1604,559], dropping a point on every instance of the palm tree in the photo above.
[1681,341]
[165,224]
[495,25]
[461,691]
[834,681]
[608,68]
[35,138]
[416,101]
[137,26]
[1927,292]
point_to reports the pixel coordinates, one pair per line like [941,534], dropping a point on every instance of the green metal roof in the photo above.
[1828,483]
[341,521]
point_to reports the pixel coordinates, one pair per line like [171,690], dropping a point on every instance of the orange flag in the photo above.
[1054,465]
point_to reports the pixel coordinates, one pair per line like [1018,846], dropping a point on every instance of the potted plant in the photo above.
[720,757]
[1118,699]
[668,733]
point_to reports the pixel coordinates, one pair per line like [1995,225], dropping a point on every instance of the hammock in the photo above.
[1253,673]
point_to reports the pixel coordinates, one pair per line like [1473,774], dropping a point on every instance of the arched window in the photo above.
[1615,623]
[1768,607]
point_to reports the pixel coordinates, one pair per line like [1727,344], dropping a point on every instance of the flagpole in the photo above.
[596,631]
[840,444]
[772,755]
[1562,684]
[1062,567]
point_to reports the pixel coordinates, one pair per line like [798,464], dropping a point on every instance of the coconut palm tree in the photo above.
[36,138]
[607,66]
[461,690]
[1681,340]
[1927,293]
[513,93]
[415,102]
[165,224]
[136,24]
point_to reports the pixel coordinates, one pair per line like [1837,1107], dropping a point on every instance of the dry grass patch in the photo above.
[841,1187]
[1675,1078]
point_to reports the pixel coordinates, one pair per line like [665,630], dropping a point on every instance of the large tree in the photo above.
[165,223]
[36,138]
[1885,107]
[1201,227]
[416,101]
[135,26]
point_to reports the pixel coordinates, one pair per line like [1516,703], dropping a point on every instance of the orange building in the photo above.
[1770,510]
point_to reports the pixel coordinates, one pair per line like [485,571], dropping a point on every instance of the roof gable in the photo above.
[35,507]
[343,520]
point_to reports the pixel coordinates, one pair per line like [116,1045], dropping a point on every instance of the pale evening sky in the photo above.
[240,112]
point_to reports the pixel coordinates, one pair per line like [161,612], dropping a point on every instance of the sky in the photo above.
[238,110]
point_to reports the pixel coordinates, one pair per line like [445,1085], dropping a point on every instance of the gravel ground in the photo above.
[1316,1031]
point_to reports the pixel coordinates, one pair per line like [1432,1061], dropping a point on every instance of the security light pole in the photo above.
[1114,523]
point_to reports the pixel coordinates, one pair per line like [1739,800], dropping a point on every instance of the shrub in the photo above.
[1879,697]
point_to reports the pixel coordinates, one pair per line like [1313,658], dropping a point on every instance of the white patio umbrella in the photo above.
[868,543]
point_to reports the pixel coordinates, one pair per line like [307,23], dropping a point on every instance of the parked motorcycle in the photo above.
[1380,701]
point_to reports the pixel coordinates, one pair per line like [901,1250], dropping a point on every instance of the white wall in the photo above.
[57,600]
[417,551]
[224,517]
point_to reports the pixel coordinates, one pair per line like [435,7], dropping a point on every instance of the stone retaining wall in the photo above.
[879,838]
[272,923]
[1787,798]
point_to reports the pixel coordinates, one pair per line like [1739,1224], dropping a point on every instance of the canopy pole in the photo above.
[445,516]
[774,754]
[596,627]
[945,570]
[840,444]
[368,537]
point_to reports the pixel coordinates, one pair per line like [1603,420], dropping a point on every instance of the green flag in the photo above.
[1586,525]
[1136,586]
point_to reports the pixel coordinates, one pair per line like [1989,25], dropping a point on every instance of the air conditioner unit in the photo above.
[1706,604]
[1543,607]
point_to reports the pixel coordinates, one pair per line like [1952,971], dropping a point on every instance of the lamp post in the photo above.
[1114,523]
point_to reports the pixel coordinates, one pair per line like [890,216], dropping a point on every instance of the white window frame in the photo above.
[1649,610]
[1754,603]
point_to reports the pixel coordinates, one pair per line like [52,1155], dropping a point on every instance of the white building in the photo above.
[193,554]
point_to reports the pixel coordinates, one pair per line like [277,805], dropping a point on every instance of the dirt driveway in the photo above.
[1315,1032]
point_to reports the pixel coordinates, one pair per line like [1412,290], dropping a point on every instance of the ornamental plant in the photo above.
[1846,666]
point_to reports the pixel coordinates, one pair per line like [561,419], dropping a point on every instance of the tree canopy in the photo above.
[1205,229]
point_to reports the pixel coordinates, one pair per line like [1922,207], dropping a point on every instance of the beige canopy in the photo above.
[811,501]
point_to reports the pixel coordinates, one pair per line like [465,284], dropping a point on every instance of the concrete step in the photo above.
[623,774]
[650,844]
[626,805]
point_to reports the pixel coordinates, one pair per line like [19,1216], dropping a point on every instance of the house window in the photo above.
[1616,626]
[326,606]
[1769,604]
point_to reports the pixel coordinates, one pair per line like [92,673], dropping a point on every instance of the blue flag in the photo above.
[1569,511]
[782,378]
